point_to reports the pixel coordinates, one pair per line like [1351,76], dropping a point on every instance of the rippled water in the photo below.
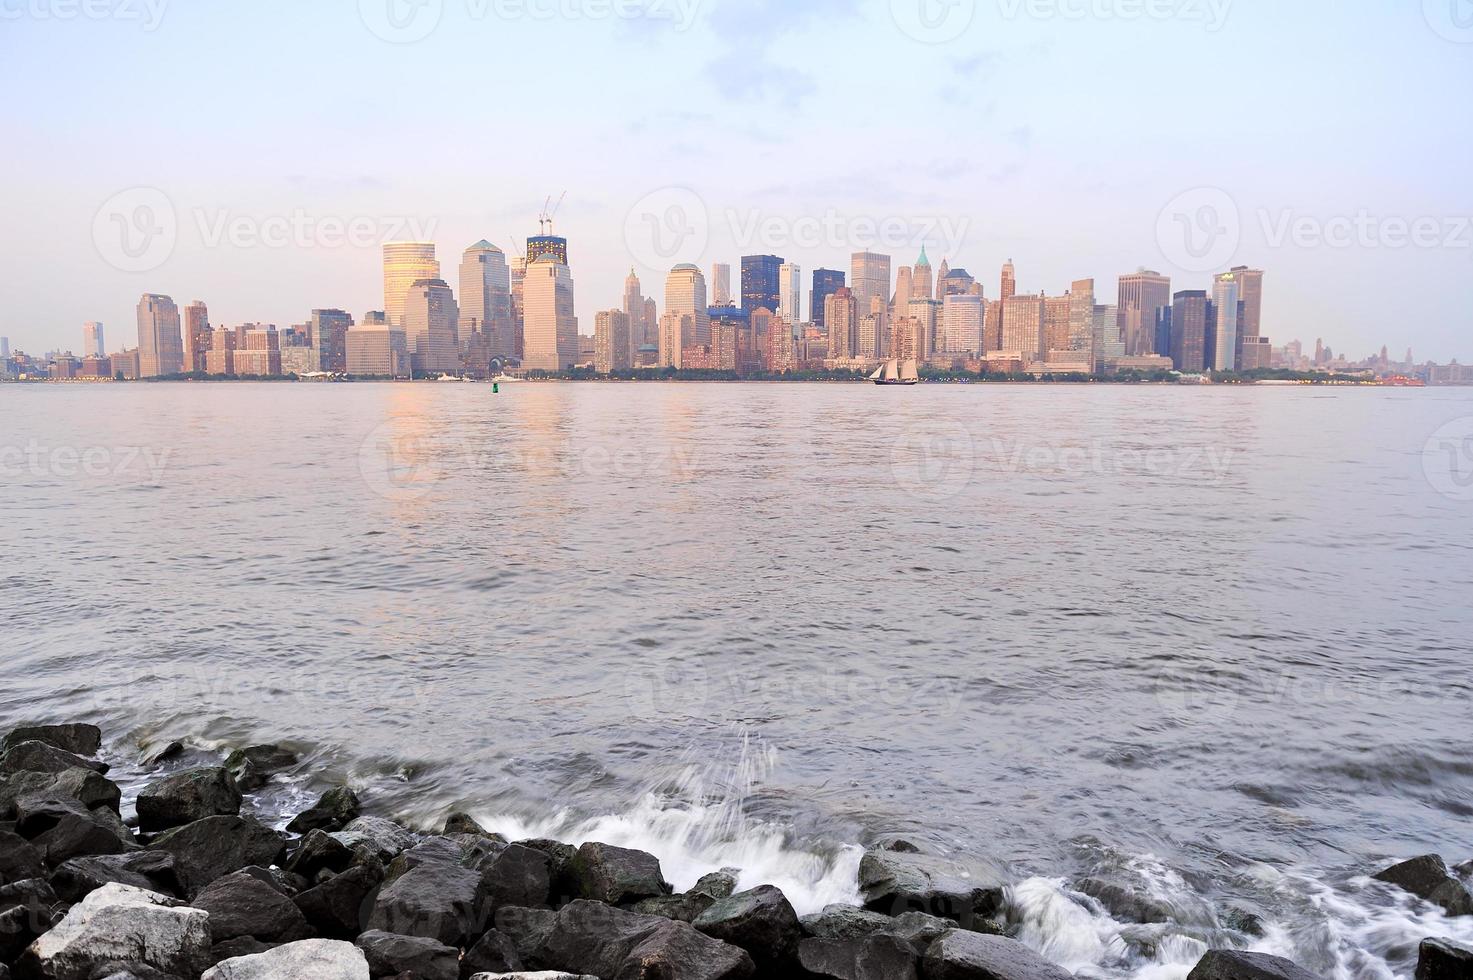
[1215,640]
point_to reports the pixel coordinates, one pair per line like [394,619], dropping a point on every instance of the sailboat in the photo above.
[896,372]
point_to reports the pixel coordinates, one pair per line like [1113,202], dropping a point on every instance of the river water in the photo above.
[1212,641]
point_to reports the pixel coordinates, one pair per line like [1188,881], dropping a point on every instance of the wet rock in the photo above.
[683,908]
[319,959]
[320,851]
[41,757]
[963,955]
[27,910]
[169,750]
[131,971]
[337,808]
[493,953]
[64,829]
[918,930]
[1427,877]
[1233,964]
[897,881]
[239,946]
[18,859]
[615,875]
[559,861]
[390,955]
[1123,902]
[464,823]
[241,904]
[516,875]
[211,848]
[433,901]
[149,870]
[341,906]
[760,921]
[844,922]
[718,884]
[589,937]
[1443,959]
[527,929]
[432,850]
[86,786]
[253,766]
[540,975]
[873,957]
[1241,920]
[387,839]
[184,797]
[76,739]
[118,923]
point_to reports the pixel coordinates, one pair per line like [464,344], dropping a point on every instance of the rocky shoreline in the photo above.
[195,888]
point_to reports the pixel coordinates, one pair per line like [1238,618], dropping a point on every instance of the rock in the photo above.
[516,875]
[1241,920]
[341,906]
[431,850]
[962,955]
[64,829]
[1233,964]
[896,881]
[151,871]
[717,884]
[615,875]
[215,846]
[873,957]
[918,930]
[337,808]
[386,838]
[1124,902]
[759,920]
[683,908]
[119,923]
[464,823]
[389,955]
[318,959]
[527,929]
[41,757]
[433,901]
[184,797]
[540,975]
[559,860]
[118,970]
[844,922]
[76,739]
[18,859]
[589,937]
[493,953]
[252,767]
[168,750]
[239,946]
[1443,959]
[320,851]
[27,910]
[87,786]
[1427,877]
[241,904]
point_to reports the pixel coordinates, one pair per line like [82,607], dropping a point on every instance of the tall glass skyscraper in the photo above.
[405,263]
[761,286]
[790,292]
[485,298]
[826,282]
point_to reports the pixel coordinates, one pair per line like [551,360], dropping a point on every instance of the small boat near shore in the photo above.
[896,372]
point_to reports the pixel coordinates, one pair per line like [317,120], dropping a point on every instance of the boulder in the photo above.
[899,881]
[215,846]
[41,757]
[760,921]
[320,851]
[252,767]
[184,797]
[239,946]
[527,929]
[539,975]
[512,874]
[589,937]
[559,860]
[117,923]
[76,739]
[431,850]
[64,829]
[493,953]
[18,859]
[319,959]
[872,957]
[1124,902]
[1443,959]
[27,910]
[384,837]
[919,930]
[151,871]
[844,922]
[962,955]
[1234,964]
[464,823]
[686,907]
[433,901]
[616,875]
[341,906]
[390,955]
[242,904]
[1427,877]
[337,808]
[87,786]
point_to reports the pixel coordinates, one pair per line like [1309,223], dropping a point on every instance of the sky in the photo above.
[255,155]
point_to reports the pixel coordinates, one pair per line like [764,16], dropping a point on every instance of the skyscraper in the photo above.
[1057,311]
[551,327]
[611,343]
[1108,346]
[1189,317]
[642,322]
[329,330]
[961,324]
[92,342]
[485,299]
[1142,296]
[790,292]
[922,286]
[1081,317]
[376,348]
[198,337]
[925,314]
[160,345]
[405,263]
[429,327]
[900,304]
[825,282]
[1254,350]
[720,284]
[869,276]
[687,319]
[1022,326]
[841,317]
[1224,341]
[1009,282]
[760,285]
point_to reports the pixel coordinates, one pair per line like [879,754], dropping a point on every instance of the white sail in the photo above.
[879,373]
[908,371]
[892,370]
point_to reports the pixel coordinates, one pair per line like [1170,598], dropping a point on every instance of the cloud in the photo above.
[745,31]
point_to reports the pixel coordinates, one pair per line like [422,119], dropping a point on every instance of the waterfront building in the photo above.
[611,345]
[405,263]
[1142,297]
[551,325]
[198,336]
[92,342]
[160,344]
[869,276]
[790,292]
[961,324]
[377,348]
[842,322]
[1189,320]
[761,282]
[428,319]
[825,282]
[1022,326]
[1224,338]
[485,308]
[328,330]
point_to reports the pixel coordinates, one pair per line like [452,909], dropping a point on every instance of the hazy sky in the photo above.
[255,154]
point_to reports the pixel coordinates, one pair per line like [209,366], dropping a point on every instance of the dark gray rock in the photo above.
[337,808]
[844,922]
[760,921]
[493,953]
[340,907]
[76,739]
[1427,877]
[1244,921]
[390,955]
[1233,964]
[515,875]
[589,937]
[18,859]
[559,861]
[918,930]
[897,881]
[151,871]
[41,757]
[717,884]
[320,851]
[88,787]
[962,955]
[253,766]
[686,907]
[434,901]
[1443,959]
[1124,902]
[211,848]
[616,875]
[184,797]
[386,838]
[64,829]
[431,850]
[131,970]
[27,910]
[239,946]
[464,823]
[527,929]
[241,904]
[873,957]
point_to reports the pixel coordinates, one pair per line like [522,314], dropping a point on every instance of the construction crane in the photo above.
[549,210]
